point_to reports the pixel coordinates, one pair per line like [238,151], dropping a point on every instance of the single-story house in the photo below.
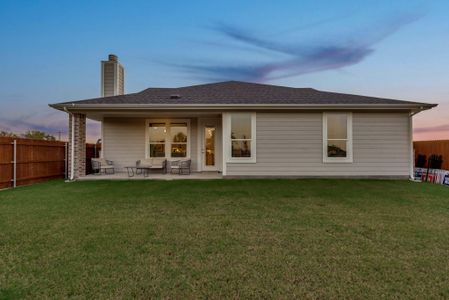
[246,129]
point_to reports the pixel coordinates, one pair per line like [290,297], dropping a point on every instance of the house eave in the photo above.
[114,107]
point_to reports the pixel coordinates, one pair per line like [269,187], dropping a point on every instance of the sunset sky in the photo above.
[50,51]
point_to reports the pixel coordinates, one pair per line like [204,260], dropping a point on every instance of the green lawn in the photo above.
[225,239]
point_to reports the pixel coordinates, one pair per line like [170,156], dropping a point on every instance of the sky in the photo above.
[50,51]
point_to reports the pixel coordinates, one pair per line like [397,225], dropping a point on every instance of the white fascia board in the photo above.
[238,106]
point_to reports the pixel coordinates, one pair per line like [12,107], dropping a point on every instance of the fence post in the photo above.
[14,164]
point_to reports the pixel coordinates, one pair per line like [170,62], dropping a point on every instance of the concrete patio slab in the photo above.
[153,176]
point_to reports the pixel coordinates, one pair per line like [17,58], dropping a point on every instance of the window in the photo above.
[337,137]
[241,135]
[241,132]
[178,133]
[157,139]
[168,139]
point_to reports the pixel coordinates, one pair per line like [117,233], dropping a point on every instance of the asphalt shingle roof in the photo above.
[237,92]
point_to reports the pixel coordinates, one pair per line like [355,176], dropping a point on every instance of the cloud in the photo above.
[291,59]
[431,129]
[51,122]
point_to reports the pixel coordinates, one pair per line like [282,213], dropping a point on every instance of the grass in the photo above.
[225,239]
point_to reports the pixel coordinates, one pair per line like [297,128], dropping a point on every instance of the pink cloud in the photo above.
[432,129]
[52,122]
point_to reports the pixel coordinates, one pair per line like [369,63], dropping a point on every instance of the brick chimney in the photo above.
[112,77]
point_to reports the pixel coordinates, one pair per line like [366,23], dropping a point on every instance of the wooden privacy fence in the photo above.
[438,147]
[25,161]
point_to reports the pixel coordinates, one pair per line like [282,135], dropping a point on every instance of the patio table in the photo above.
[130,170]
[145,170]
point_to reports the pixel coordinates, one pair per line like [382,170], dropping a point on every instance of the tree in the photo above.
[38,135]
[7,134]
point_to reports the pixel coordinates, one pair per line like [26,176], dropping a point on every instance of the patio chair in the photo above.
[101,165]
[181,167]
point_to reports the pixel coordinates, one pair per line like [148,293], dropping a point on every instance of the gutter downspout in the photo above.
[412,151]
[72,148]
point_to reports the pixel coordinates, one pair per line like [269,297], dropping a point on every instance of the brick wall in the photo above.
[79,143]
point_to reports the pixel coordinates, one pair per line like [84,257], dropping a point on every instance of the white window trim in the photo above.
[227,155]
[349,157]
[168,142]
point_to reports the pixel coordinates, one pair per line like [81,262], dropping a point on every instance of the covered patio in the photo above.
[133,136]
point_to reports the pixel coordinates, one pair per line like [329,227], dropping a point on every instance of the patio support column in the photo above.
[77,145]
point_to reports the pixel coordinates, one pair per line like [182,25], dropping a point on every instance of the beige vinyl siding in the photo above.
[124,141]
[291,144]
